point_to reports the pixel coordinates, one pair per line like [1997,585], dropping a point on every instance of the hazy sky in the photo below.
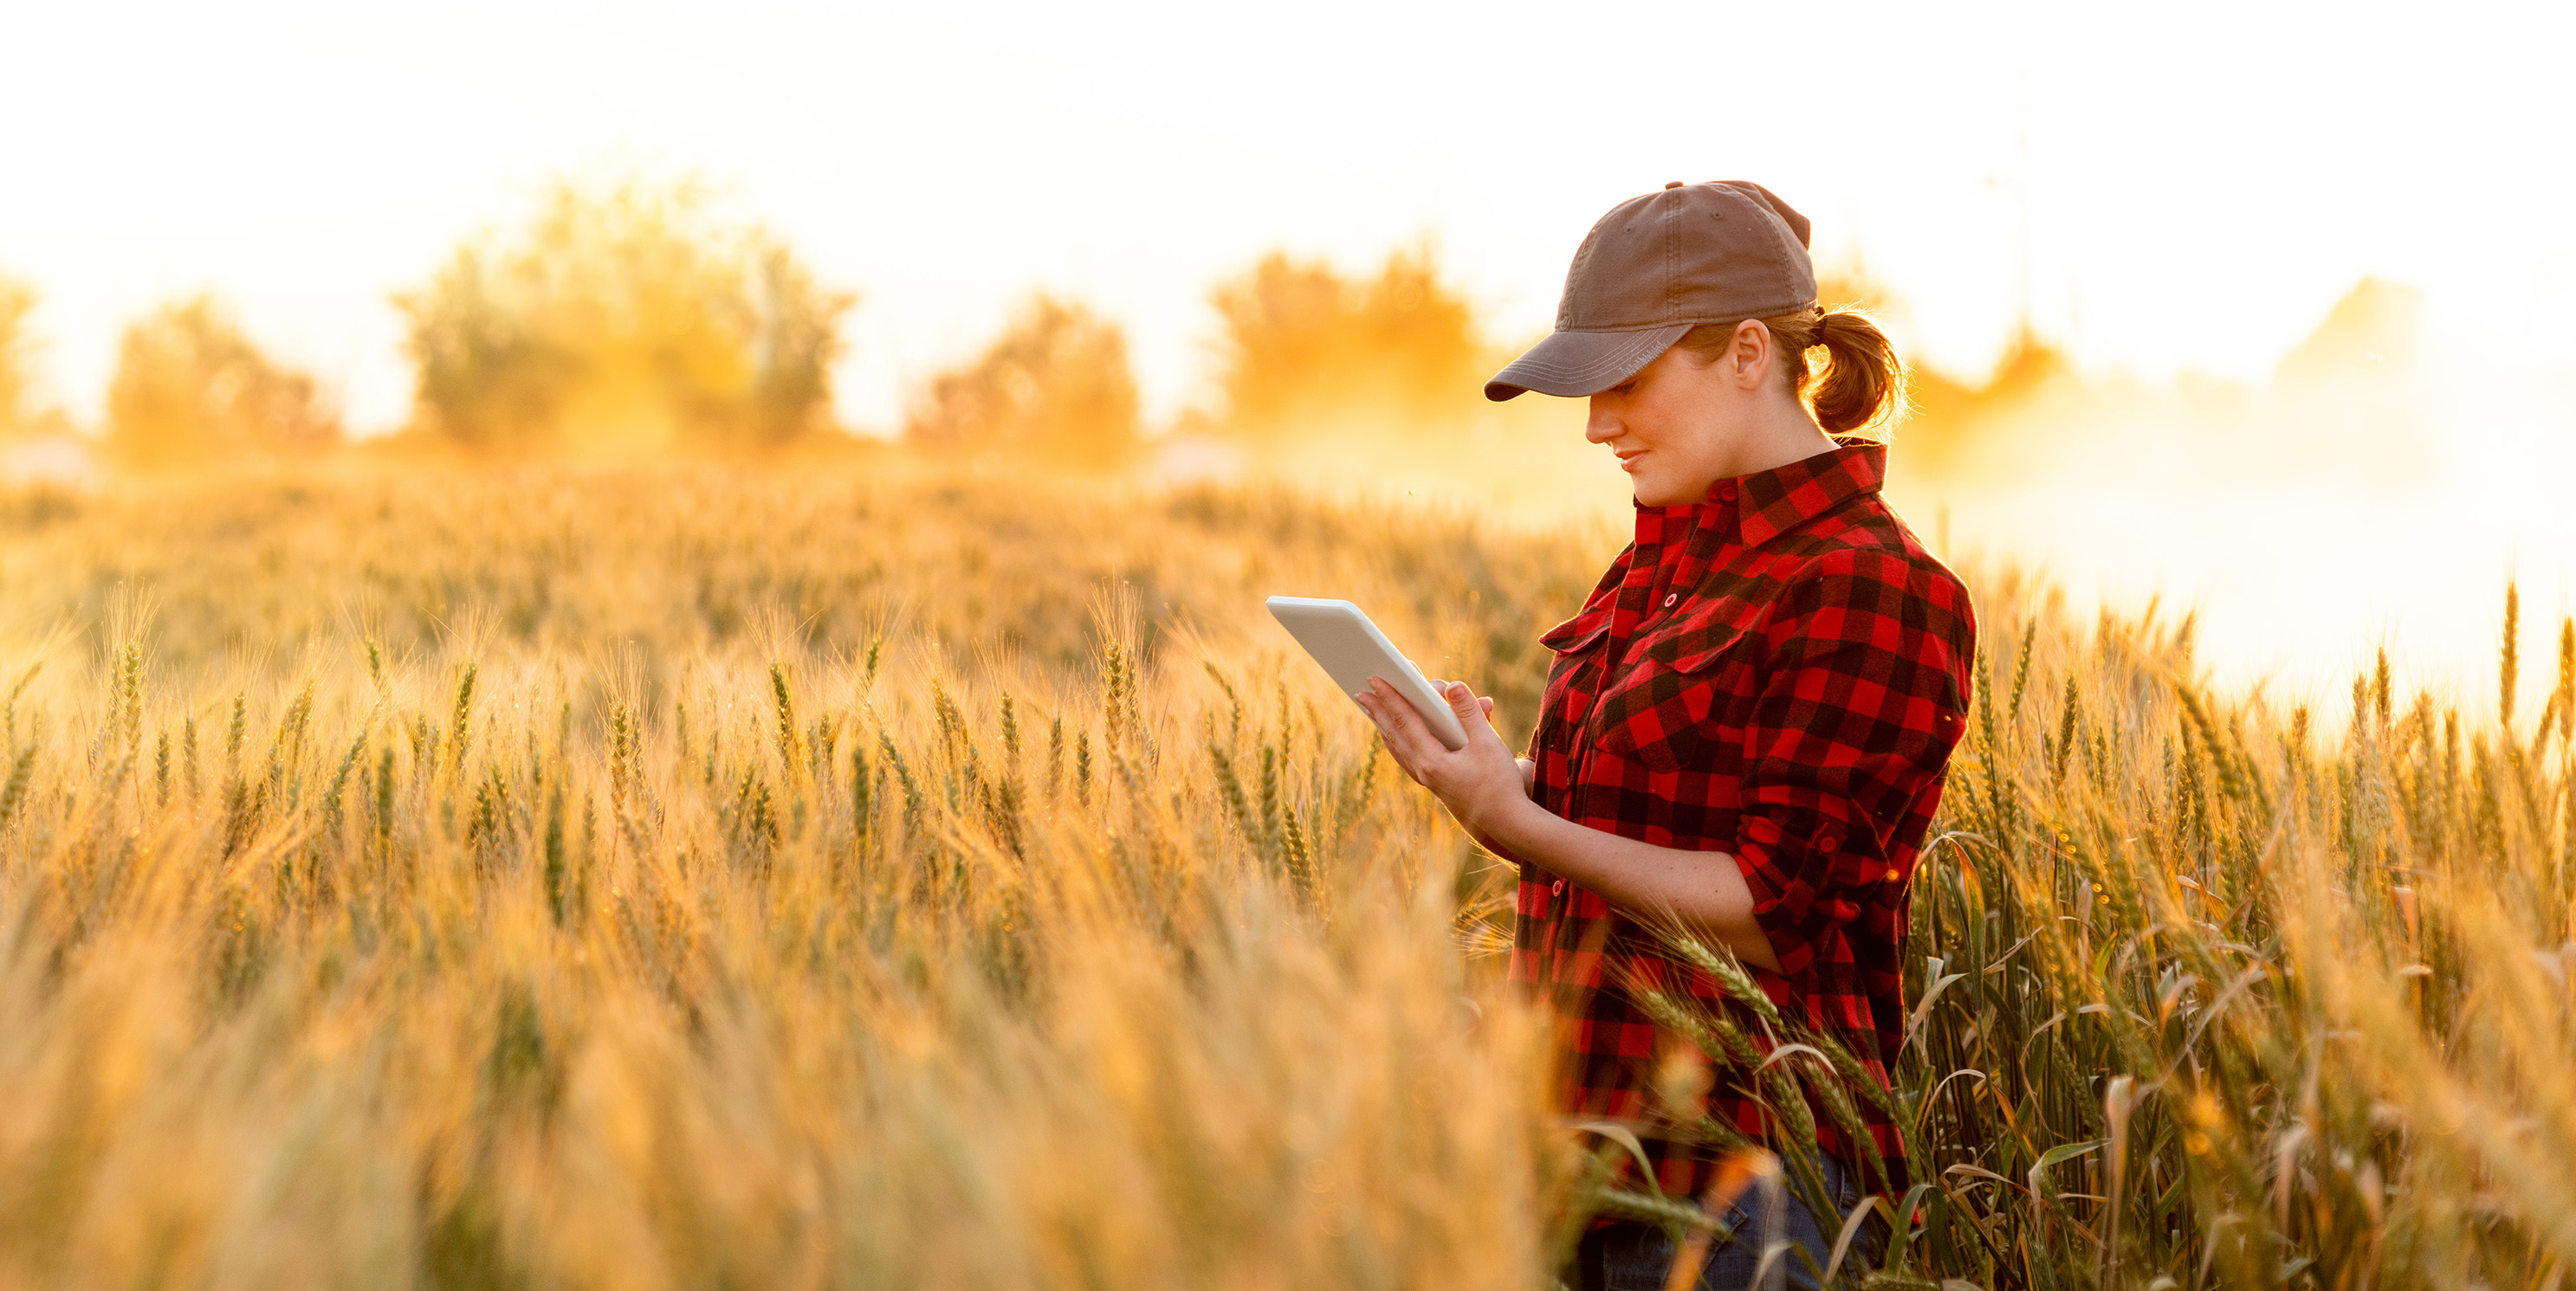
[2203,180]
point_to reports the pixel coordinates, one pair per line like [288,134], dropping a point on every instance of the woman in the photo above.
[1744,731]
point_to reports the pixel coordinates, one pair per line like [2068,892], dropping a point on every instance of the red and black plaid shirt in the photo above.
[1779,672]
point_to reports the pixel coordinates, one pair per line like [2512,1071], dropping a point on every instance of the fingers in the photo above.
[1398,727]
[1462,700]
[1394,713]
[1470,706]
[1405,732]
[1449,690]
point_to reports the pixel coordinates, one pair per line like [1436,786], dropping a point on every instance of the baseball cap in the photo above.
[1655,267]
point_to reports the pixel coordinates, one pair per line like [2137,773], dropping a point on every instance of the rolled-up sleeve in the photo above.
[1858,708]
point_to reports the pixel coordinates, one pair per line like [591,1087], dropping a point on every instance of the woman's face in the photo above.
[1674,426]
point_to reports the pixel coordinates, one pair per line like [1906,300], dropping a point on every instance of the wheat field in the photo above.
[865,875]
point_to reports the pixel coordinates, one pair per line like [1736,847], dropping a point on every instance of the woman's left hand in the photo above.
[1477,783]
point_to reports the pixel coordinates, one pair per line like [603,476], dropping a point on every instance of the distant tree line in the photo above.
[632,319]
[189,389]
[18,350]
[1300,345]
[637,319]
[1055,387]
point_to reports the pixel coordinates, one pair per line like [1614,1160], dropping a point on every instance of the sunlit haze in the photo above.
[2184,189]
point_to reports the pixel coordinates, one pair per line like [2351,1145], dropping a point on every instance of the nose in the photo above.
[1601,425]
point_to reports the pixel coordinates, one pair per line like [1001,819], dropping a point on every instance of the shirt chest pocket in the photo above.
[1575,673]
[1681,693]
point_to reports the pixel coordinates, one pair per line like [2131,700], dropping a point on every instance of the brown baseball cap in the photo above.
[1657,266]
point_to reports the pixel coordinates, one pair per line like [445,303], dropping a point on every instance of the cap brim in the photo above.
[1575,364]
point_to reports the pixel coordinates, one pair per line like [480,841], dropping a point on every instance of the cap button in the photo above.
[1675,184]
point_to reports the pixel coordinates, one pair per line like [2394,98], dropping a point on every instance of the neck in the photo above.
[1781,434]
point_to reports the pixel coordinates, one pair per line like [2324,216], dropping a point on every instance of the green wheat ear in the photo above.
[460,733]
[21,773]
[2509,662]
[2567,681]
[2380,688]
[2065,734]
[786,713]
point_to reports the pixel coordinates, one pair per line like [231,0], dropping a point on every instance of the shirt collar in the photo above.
[1773,502]
[1666,525]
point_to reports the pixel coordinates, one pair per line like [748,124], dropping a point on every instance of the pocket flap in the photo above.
[1701,640]
[1582,632]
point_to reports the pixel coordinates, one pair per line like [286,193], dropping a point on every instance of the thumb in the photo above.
[1462,700]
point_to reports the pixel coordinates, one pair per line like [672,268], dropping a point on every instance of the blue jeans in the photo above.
[1637,1257]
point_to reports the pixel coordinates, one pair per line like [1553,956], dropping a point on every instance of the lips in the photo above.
[1628,461]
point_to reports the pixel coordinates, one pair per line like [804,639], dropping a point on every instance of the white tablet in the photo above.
[1353,650]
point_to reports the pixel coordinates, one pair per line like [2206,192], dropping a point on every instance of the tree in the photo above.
[2372,332]
[625,320]
[1302,343]
[17,356]
[1054,387]
[191,389]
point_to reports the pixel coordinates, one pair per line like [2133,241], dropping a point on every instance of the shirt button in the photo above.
[1556,889]
[1726,493]
[1670,597]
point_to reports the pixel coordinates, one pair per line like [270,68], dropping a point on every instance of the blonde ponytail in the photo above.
[1862,382]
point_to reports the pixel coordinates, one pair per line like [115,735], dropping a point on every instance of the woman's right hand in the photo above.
[1529,769]
[1471,782]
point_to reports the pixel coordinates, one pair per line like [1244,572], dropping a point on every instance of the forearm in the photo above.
[1529,789]
[1488,790]
[1704,891]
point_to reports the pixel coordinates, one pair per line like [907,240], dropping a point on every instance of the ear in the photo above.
[1749,358]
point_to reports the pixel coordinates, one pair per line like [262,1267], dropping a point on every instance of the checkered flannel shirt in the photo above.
[1779,672]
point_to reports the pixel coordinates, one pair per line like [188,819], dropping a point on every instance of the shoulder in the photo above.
[1864,562]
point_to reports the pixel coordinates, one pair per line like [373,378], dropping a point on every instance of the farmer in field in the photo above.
[1743,732]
